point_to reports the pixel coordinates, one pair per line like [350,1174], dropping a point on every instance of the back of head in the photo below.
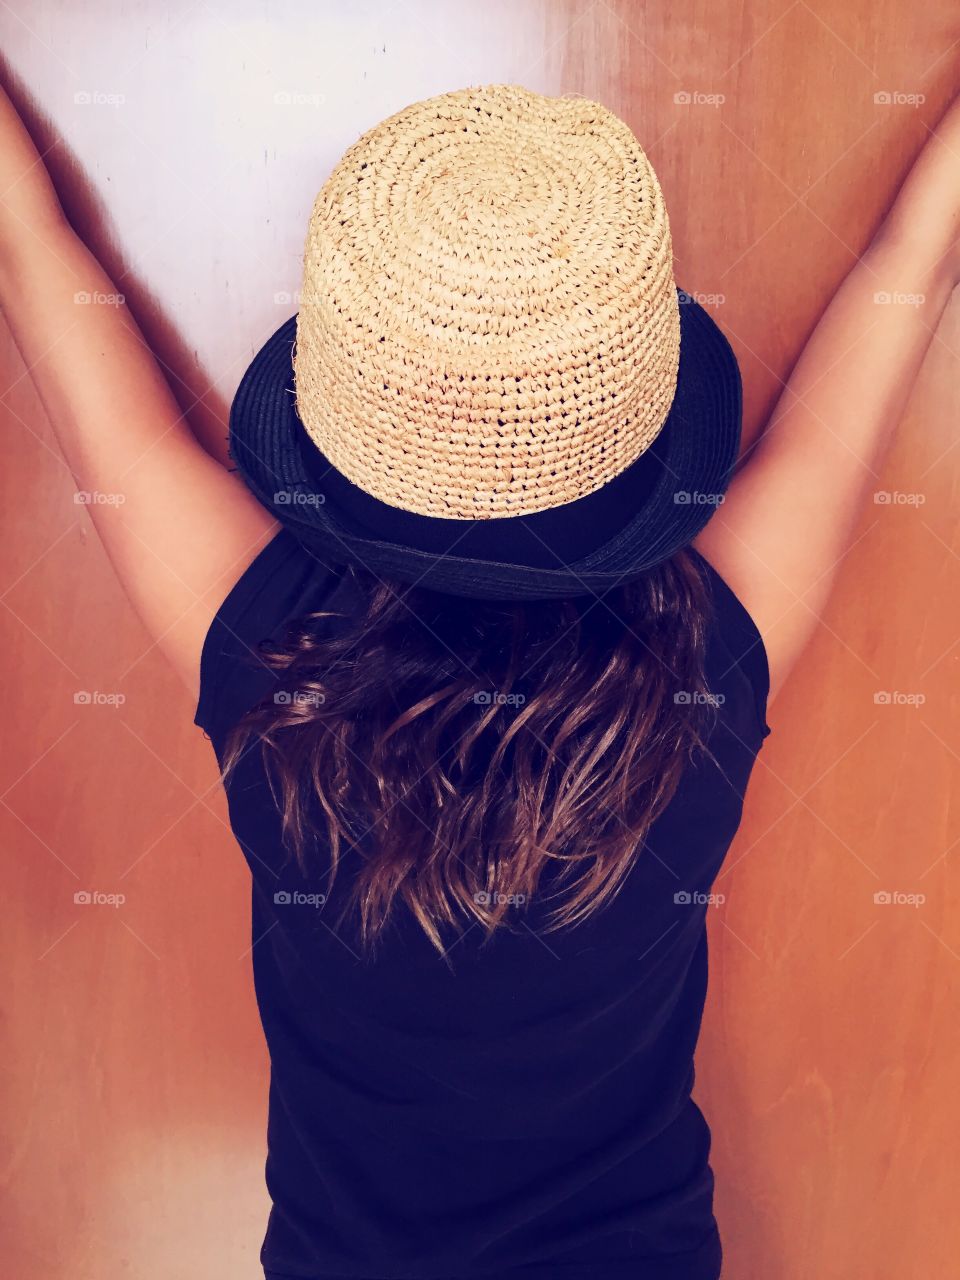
[497,409]
[476,753]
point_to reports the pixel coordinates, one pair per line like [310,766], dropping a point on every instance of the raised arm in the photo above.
[790,510]
[185,527]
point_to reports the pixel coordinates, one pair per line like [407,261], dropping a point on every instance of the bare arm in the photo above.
[185,527]
[790,510]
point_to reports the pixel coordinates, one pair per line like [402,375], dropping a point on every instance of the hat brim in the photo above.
[697,450]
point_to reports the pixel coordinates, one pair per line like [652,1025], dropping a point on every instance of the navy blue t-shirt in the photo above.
[528,1114]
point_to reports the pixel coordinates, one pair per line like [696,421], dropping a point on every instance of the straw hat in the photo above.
[493,385]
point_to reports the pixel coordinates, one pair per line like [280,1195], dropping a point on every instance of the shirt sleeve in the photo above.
[743,642]
[283,581]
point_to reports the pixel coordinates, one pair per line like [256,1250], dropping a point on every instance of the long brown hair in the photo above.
[461,746]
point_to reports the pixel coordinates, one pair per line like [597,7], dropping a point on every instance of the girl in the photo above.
[483,632]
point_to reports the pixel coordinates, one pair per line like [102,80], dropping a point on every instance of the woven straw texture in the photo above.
[488,322]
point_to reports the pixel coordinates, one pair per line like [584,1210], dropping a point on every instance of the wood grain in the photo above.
[134,1068]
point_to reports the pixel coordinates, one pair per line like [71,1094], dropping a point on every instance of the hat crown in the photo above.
[488,324]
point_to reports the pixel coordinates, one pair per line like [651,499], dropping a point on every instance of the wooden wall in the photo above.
[134,1090]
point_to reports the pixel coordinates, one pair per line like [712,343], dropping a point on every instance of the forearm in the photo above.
[789,513]
[68,320]
[29,206]
[847,392]
[82,347]
[175,524]
[923,223]
[871,339]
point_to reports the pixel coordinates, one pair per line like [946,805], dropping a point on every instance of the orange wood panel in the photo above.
[193,141]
